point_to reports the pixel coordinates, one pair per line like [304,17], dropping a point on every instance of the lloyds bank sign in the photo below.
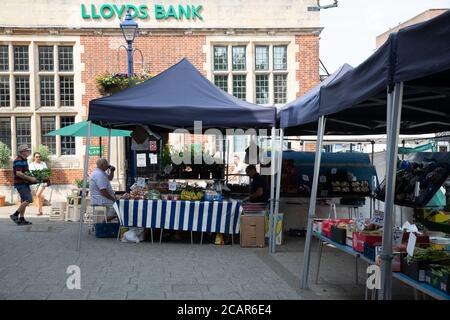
[143,11]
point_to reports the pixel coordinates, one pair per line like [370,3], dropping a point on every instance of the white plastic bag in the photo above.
[134,235]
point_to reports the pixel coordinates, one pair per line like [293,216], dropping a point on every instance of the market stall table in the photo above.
[421,286]
[201,216]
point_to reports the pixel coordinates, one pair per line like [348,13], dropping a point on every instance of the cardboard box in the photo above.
[252,231]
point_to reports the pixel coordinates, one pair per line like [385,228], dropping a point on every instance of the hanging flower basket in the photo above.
[109,83]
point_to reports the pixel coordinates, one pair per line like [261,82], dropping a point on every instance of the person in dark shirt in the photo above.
[259,191]
[22,184]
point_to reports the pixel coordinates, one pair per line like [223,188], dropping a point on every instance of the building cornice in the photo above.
[61,31]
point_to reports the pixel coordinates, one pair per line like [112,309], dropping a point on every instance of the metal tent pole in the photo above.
[85,177]
[109,144]
[277,194]
[394,113]
[312,202]
[272,185]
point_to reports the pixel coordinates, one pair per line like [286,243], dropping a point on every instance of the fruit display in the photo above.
[136,193]
[419,179]
[340,186]
[191,195]
[360,186]
[153,195]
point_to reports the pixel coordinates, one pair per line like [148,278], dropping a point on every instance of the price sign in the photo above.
[411,244]
[323,179]
[172,185]
[378,218]
[360,223]
[397,237]
[153,158]
[334,171]
[305,177]
[140,182]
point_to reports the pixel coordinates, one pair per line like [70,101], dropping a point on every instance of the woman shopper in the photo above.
[38,164]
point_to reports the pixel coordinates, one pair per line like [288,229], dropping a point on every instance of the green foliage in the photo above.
[429,255]
[79,183]
[41,175]
[109,83]
[5,156]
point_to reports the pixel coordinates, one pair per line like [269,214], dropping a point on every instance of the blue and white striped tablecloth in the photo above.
[205,216]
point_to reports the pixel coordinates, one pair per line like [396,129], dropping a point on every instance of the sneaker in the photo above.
[14,218]
[23,222]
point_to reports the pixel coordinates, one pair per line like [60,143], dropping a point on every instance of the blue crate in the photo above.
[369,252]
[106,230]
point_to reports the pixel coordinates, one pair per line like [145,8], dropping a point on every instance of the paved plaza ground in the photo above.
[33,263]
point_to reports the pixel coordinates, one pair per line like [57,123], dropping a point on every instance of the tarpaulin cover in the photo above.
[176,98]
[356,102]
[307,105]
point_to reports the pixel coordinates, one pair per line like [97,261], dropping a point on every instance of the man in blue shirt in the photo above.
[22,184]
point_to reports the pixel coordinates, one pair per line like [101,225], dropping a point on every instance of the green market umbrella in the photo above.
[80,130]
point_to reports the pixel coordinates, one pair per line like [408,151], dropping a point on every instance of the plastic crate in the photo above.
[369,252]
[338,235]
[440,282]
[106,230]
[359,239]
[414,270]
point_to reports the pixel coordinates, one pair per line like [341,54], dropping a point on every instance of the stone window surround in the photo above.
[250,41]
[34,112]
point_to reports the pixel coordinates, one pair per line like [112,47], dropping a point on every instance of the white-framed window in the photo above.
[5,131]
[37,94]
[252,71]
[58,146]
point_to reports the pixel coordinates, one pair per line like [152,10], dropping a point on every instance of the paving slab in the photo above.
[33,265]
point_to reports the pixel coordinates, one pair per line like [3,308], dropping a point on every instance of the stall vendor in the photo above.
[259,191]
[102,193]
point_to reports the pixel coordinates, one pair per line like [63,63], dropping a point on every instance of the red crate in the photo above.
[360,238]
[326,225]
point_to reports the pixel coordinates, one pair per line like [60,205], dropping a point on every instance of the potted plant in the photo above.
[79,184]
[5,161]
[109,83]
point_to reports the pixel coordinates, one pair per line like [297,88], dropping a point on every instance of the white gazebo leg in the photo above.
[393,127]
[277,192]
[312,203]
[85,176]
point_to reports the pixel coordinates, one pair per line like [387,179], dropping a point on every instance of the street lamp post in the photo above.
[129,29]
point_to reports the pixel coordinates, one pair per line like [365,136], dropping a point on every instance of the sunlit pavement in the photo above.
[34,261]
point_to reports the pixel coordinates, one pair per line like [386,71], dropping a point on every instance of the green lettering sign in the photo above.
[143,10]
[135,10]
[196,13]
[95,151]
[160,13]
[171,13]
[94,15]
[106,11]
[184,11]
[84,15]
[119,11]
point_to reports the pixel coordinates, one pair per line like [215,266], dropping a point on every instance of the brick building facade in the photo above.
[49,62]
